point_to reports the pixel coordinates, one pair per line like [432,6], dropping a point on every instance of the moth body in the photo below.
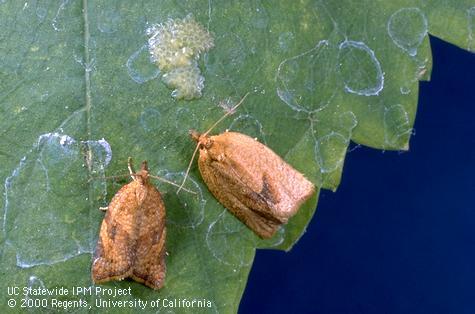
[132,236]
[250,180]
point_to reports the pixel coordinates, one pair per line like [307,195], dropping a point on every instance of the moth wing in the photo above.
[251,207]
[150,267]
[262,196]
[284,187]
[114,254]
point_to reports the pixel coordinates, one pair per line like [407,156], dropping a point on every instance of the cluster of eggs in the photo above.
[175,47]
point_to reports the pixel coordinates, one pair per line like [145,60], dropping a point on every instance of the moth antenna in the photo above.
[131,167]
[110,177]
[189,168]
[172,183]
[228,113]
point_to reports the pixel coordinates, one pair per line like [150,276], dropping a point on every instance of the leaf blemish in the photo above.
[31,193]
[175,47]
[407,28]
[139,68]
[222,239]
[397,126]
[316,66]
[149,120]
[193,205]
[360,69]
[330,151]
[57,21]
[249,125]
[108,21]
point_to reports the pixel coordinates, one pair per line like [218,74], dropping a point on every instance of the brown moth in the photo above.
[249,179]
[132,236]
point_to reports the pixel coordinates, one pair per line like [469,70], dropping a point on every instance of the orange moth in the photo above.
[249,179]
[132,236]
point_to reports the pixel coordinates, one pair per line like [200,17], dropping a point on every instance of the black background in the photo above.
[399,234]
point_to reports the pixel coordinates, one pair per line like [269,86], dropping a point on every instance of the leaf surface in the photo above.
[79,95]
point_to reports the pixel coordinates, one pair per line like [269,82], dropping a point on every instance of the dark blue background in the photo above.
[399,234]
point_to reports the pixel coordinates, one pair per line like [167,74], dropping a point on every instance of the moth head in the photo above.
[142,175]
[203,140]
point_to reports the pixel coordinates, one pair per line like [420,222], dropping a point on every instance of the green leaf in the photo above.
[79,95]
